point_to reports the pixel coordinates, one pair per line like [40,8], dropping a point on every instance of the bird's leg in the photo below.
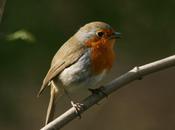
[98,91]
[78,106]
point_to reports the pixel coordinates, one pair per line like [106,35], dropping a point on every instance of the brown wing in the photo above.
[66,55]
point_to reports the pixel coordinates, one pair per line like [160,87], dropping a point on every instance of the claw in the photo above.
[78,107]
[98,90]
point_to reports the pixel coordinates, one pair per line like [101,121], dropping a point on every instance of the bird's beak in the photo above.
[116,35]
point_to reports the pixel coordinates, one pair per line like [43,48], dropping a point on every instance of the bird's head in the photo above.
[96,33]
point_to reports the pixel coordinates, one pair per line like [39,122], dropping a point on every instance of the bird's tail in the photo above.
[52,103]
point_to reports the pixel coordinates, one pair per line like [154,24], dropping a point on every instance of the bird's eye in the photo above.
[100,34]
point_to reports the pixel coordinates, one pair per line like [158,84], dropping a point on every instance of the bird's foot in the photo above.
[78,107]
[98,91]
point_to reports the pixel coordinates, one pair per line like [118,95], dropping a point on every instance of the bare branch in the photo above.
[135,74]
[2,5]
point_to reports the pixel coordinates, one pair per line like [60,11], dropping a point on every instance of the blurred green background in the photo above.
[31,31]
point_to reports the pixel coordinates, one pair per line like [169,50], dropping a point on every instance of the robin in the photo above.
[82,61]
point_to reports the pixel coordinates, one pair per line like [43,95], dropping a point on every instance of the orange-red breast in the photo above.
[82,61]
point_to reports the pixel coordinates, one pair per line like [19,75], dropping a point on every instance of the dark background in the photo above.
[31,31]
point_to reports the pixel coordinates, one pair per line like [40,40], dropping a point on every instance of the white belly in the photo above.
[79,74]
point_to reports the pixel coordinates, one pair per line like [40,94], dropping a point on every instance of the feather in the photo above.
[69,53]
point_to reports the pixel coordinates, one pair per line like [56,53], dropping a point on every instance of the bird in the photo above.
[82,61]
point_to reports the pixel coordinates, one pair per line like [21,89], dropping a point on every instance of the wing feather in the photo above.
[69,53]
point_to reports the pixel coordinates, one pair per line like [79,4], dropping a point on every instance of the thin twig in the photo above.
[134,74]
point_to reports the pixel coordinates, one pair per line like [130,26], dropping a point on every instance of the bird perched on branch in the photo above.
[82,61]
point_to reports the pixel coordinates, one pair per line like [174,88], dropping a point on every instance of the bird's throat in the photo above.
[102,56]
